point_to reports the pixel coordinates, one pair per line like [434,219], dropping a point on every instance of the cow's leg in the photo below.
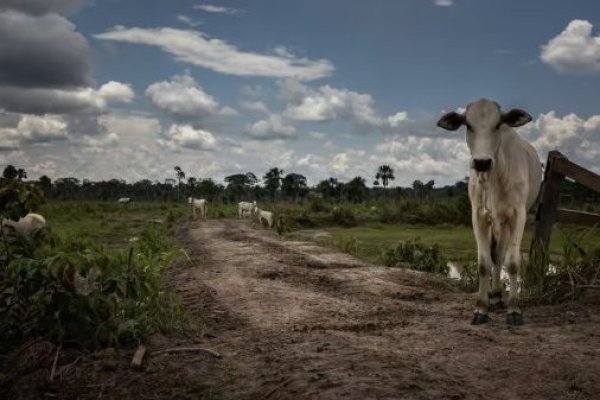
[513,263]
[193,211]
[482,231]
[502,234]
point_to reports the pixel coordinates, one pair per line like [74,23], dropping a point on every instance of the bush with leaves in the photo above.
[343,216]
[89,296]
[413,254]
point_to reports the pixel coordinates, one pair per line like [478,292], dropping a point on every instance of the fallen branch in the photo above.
[54,363]
[186,350]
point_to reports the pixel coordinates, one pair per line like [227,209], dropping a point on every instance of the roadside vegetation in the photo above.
[94,277]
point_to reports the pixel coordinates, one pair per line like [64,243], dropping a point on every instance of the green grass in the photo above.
[456,242]
[108,224]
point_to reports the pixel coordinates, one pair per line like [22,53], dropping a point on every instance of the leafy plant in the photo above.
[413,254]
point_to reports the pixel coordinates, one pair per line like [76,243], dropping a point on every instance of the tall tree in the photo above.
[418,188]
[191,181]
[46,185]
[385,173]
[10,173]
[272,180]
[356,189]
[180,175]
[294,185]
[429,189]
[330,189]
[239,184]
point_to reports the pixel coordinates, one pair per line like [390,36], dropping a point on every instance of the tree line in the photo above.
[275,185]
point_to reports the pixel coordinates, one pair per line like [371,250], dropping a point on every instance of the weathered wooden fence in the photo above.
[558,167]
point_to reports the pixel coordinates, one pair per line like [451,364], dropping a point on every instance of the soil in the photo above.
[293,320]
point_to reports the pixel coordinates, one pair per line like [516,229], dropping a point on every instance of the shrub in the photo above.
[343,216]
[413,254]
[89,296]
[317,204]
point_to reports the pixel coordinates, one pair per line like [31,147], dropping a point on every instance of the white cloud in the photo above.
[199,49]
[188,21]
[217,9]
[424,158]
[182,96]
[185,136]
[116,91]
[130,126]
[36,129]
[228,112]
[572,135]
[397,119]
[574,50]
[328,104]
[251,90]
[255,106]
[443,3]
[273,127]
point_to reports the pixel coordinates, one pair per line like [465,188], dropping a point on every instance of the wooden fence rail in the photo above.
[558,167]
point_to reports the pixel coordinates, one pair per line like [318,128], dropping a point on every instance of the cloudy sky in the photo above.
[103,89]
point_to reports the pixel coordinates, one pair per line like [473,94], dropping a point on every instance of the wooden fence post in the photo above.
[546,212]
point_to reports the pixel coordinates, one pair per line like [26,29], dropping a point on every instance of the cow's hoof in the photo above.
[497,306]
[514,319]
[480,319]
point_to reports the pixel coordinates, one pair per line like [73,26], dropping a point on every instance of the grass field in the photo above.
[111,225]
[457,242]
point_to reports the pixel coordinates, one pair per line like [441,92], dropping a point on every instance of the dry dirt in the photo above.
[297,321]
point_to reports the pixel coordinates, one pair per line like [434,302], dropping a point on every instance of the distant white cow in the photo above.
[27,224]
[198,204]
[504,183]
[264,215]
[124,200]
[245,207]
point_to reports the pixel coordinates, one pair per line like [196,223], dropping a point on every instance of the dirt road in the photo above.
[297,321]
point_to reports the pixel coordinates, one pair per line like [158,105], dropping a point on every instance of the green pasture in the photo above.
[110,224]
[456,241]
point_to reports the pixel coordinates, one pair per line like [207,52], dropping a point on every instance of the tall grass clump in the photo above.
[413,254]
[549,280]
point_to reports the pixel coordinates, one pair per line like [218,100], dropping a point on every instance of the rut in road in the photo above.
[297,321]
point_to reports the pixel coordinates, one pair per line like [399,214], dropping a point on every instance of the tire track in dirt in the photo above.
[299,321]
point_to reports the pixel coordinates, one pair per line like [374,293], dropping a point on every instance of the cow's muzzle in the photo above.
[481,164]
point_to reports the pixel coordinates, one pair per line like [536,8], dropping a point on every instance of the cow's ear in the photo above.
[516,118]
[451,121]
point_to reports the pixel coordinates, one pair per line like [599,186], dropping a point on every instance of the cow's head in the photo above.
[484,121]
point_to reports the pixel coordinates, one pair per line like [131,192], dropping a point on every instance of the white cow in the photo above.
[264,215]
[124,200]
[198,204]
[27,224]
[504,183]
[245,207]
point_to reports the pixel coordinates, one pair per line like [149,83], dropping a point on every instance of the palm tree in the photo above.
[180,175]
[385,173]
[272,180]
[191,183]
